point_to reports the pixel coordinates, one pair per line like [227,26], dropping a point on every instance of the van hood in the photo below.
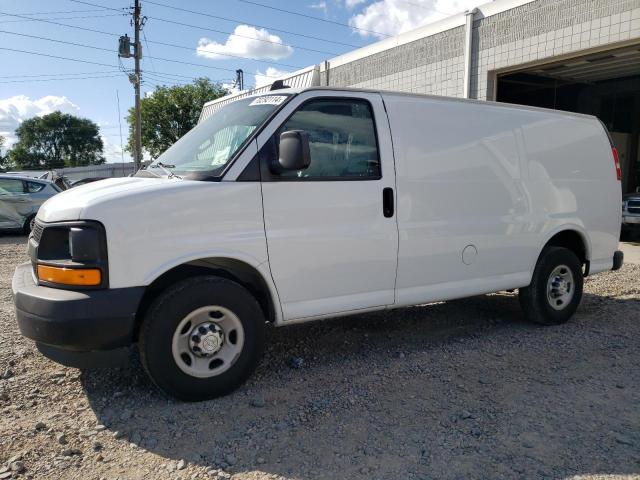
[80,203]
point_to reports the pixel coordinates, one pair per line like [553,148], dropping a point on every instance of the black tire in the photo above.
[164,316]
[534,300]
[26,228]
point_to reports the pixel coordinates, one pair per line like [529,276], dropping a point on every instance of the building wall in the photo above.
[547,28]
[430,65]
[530,32]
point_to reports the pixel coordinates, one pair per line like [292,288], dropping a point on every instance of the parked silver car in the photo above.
[20,199]
[631,211]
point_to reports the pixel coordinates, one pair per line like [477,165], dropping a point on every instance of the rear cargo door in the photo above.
[331,230]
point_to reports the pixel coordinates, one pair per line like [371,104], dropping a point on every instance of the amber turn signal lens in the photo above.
[70,276]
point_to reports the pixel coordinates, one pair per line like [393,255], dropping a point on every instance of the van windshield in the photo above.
[207,149]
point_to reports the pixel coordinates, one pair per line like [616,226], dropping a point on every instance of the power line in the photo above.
[150,41]
[58,57]
[184,47]
[58,41]
[235,20]
[231,34]
[110,50]
[59,74]
[28,19]
[204,66]
[58,79]
[167,74]
[212,30]
[171,76]
[312,17]
[61,24]
[144,35]
[59,12]
[120,126]
[100,6]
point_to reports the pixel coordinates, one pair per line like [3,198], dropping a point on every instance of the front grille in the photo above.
[634,210]
[37,231]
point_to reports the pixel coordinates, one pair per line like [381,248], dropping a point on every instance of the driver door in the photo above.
[331,230]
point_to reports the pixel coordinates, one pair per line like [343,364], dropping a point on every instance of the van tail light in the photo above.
[616,161]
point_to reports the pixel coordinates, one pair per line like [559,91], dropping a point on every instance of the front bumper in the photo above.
[631,219]
[75,328]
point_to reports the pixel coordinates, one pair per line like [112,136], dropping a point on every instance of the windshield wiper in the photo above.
[165,168]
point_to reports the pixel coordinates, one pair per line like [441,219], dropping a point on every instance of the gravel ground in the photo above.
[462,390]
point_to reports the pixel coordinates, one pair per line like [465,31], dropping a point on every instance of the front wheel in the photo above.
[556,287]
[29,223]
[202,338]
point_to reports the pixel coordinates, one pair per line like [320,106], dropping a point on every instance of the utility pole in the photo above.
[124,51]
[137,25]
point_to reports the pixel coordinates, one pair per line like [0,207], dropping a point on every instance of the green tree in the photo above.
[170,112]
[3,157]
[57,140]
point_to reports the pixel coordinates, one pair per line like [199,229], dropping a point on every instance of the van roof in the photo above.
[295,91]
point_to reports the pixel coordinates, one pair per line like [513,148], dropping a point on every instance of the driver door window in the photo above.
[10,186]
[342,140]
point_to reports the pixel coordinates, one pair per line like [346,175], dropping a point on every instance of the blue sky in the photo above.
[266,38]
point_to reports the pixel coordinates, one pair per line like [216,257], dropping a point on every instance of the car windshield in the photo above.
[207,149]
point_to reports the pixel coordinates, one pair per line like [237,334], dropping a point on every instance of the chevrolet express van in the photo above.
[299,205]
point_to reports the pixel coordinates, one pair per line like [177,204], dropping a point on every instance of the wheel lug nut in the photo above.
[202,330]
[195,339]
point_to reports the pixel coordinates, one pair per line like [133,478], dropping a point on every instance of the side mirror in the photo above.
[294,151]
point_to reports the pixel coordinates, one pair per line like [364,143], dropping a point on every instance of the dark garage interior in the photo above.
[605,84]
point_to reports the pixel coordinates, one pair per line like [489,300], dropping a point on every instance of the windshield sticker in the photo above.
[269,100]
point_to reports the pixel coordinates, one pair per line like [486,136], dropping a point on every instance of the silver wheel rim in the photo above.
[207,342]
[560,287]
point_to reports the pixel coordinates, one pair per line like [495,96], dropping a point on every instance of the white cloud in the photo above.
[353,3]
[267,77]
[231,88]
[113,152]
[15,110]
[390,17]
[322,6]
[247,42]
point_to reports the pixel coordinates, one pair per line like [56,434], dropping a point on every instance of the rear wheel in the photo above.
[202,338]
[556,287]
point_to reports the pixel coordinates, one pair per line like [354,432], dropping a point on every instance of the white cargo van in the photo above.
[306,204]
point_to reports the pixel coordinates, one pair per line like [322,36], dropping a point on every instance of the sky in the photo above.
[210,38]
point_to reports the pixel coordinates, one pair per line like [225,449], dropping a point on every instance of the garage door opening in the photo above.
[604,84]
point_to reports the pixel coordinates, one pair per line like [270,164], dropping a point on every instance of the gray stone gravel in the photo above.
[460,390]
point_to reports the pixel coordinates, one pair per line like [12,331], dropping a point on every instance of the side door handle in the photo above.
[387,202]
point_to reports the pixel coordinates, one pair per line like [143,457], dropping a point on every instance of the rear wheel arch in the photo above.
[232,269]
[572,239]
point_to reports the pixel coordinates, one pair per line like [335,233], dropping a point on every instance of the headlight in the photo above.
[84,244]
[72,254]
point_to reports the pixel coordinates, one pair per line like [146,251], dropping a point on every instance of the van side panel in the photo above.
[572,180]
[471,219]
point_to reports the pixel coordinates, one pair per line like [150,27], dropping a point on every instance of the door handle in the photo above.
[387,202]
